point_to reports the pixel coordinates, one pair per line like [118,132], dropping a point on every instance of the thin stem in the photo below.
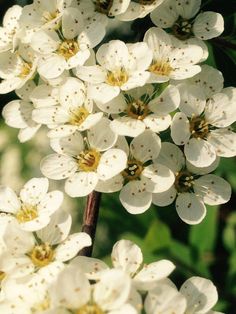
[90,219]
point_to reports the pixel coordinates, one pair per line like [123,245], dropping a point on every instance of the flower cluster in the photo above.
[144,119]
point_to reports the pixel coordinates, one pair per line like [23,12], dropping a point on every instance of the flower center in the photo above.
[182,29]
[25,69]
[133,170]
[78,115]
[2,276]
[117,78]
[89,309]
[199,128]
[89,160]
[68,48]
[137,109]
[42,255]
[103,6]
[26,213]
[160,67]
[184,182]
[43,306]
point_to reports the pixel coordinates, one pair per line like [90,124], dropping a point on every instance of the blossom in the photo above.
[73,112]
[33,207]
[141,109]
[122,67]
[181,16]
[192,187]
[84,163]
[172,59]
[18,113]
[67,49]
[202,126]
[141,176]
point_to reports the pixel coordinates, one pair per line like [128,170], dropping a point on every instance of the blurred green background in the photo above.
[208,249]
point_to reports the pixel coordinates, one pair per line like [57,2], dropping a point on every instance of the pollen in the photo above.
[89,160]
[161,67]
[26,213]
[42,255]
[89,309]
[184,182]
[78,115]
[2,275]
[133,170]
[49,16]
[25,69]
[117,78]
[137,110]
[68,48]
[199,127]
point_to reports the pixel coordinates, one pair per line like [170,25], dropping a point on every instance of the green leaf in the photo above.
[203,236]
[158,236]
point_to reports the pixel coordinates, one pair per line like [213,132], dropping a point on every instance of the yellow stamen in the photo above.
[137,110]
[25,69]
[42,255]
[133,170]
[78,115]
[161,67]
[89,309]
[89,160]
[117,78]
[68,48]
[27,212]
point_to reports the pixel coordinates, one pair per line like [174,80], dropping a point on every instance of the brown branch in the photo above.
[90,219]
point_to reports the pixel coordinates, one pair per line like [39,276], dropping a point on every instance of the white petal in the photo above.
[167,102]
[71,145]
[103,93]
[193,99]
[164,198]
[92,34]
[190,208]
[180,128]
[188,9]
[25,91]
[127,126]
[157,123]
[200,293]
[171,156]
[159,178]
[72,93]
[50,115]
[111,185]
[208,25]
[165,15]
[72,23]
[213,189]
[51,66]
[36,224]
[224,142]
[116,105]
[17,114]
[149,275]
[101,136]
[89,265]
[61,131]
[27,133]
[58,167]
[112,291]
[142,55]
[146,146]
[45,41]
[81,184]
[51,202]
[9,201]
[127,256]
[71,246]
[199,152]
[34,191]
[112,162]
[135,198]
[44,96]
[92,74]
[203,170]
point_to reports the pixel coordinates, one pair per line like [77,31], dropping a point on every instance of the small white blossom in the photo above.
[192,187]
[34,205]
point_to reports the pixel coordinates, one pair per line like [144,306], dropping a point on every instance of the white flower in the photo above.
[122,67]
[84,163]
[127,256]
[172,59]
[18,113]
[139,9]
[73,292]
[141,109]
[16,68]
[50,246]
[141,176]
[181,16]
[68,49]
[73,113]
[8,32]
[192,187]
[203,126]
[34,206]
